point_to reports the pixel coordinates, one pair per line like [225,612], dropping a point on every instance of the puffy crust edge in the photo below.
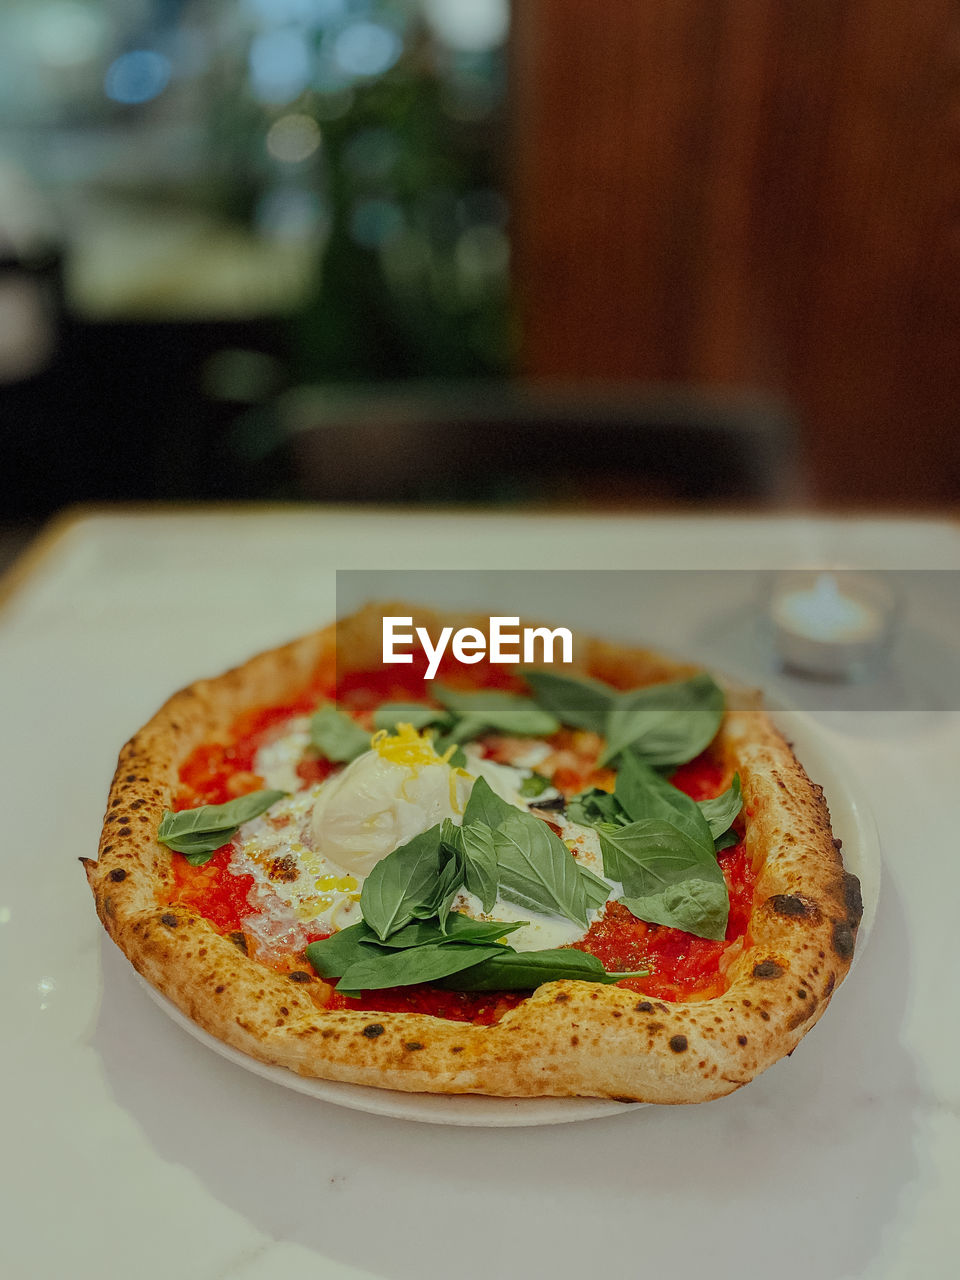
[567,1038]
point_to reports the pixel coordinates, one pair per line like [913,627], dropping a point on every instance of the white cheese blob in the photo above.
[541,932]
[384,798]
[276,762]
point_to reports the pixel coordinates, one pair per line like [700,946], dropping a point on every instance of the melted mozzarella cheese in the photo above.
[296,891]
[276,762]
[539,934]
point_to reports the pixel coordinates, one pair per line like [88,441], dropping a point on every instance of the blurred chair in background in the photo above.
[507,443]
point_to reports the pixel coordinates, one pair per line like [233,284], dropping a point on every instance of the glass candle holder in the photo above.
[831,624]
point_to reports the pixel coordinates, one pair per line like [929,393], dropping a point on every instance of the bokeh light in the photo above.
[281,65]
[137,76]
[482,254]
[473,26]
[293,138]
[367,48]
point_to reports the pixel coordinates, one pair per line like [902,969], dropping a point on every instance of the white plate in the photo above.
[852,823]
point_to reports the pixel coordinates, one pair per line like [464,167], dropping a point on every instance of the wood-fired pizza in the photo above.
[609,877]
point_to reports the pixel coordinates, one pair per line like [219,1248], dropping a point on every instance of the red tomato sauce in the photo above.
[216,772]
[680,966]
[212,890]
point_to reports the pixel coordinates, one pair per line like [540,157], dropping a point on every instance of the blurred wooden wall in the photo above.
[761,192]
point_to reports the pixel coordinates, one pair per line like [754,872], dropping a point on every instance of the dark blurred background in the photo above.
[638,253]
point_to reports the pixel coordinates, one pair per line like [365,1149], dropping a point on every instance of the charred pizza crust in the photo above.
[567,1038]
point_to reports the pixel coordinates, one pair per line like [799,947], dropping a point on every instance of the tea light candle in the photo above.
[832,625]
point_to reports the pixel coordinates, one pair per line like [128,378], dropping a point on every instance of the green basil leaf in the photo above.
[596,889]
[448,886]
[643,793]
[334,955]
[488,710]
[416,964]
[484,805]
[474,843]
[198,833]
[390,714]
[696,906]
[654,861]
[537,870]
[199,852]
[726,841]
[199,849]
[721,810]
[666,724]
[524,970]
[336,736]
[535,785]
[582,703]
[403,885]
[591,808]
[460,928]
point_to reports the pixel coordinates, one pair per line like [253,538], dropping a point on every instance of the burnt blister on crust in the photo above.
[853,898]
[844,939]
[792,906]
[767,969]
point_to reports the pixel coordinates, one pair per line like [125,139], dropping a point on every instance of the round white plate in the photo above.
[852,823]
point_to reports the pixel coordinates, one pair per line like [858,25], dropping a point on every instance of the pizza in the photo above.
[609,877]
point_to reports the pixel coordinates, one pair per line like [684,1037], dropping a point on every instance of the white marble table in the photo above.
[128,1149]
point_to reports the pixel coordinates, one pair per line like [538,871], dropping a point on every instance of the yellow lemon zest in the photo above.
[415,751]
[407,747]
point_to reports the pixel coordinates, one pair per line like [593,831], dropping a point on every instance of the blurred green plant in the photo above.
[397,175]
[413,280]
